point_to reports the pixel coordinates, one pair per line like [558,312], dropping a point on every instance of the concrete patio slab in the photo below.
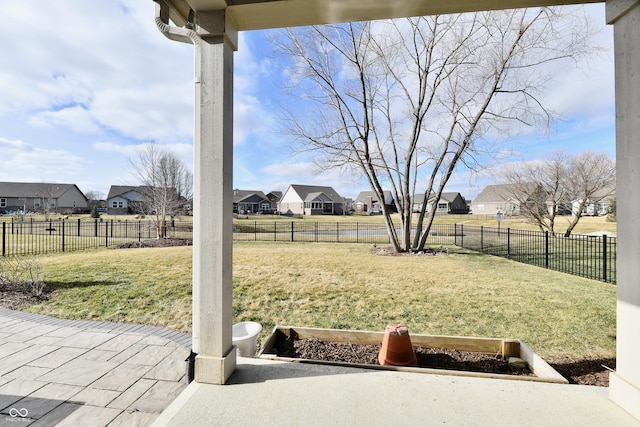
[270,393]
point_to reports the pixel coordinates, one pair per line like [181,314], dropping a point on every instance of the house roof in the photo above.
[364,195]
[275,196]
[497,193]
[120,190]
[305,190]
[317,195]
[241,195]
[35,189]
[448,197]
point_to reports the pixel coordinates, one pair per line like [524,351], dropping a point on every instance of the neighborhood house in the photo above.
[41,197]
[496,199]
[368,202]
[125,199]
[311,200]
[449,203]
[251,201]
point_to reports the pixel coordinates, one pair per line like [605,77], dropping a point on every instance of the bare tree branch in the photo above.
[406,102]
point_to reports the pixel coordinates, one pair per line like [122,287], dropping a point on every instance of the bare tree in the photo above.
[559,184]
[48,195]
[166,183]
[591,179]
[539,188]
[94,197]
[406,102]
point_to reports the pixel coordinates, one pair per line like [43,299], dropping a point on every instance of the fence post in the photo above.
[455,234]
[112,229]
[546,249]
[63,235]
[481,238]
[106,234]
[255,230]
[462,235]
[292,231]
[275,231]
[95,227]
[337,232]
[4,232]
[78,227]
[139,230]
[604,257]
[509,242]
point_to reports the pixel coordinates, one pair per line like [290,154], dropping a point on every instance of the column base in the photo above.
[624,394]
[215,370]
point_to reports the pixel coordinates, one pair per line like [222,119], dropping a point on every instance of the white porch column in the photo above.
[213,199]
[624,386]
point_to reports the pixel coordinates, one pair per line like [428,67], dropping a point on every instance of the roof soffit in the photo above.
[264,14]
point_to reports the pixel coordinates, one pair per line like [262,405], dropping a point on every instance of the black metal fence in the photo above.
[592,257]
[332,232]
[42,237]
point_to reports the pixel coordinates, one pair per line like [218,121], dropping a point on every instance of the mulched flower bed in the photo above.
[14,297]
[584,372]
[435,358]
[154,243]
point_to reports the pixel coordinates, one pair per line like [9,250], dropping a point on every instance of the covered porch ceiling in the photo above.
[264,14]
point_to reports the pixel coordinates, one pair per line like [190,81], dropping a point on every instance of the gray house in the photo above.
[125,199]
[496,198]
[311,200]
[41,197]
[251,201]
[449,203]
[368,202]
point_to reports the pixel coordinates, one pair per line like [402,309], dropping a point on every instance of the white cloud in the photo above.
[84,84]
[76,118]
[23,161]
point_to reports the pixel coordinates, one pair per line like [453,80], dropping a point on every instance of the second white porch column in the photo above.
[213,199]
[624,386]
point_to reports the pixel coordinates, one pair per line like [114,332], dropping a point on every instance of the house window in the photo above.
[36,203]
[265,206]
[117,205]
[442,206]
[3,203]
[74,203]
[316,205]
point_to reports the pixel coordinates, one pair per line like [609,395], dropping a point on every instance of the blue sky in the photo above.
[84,84]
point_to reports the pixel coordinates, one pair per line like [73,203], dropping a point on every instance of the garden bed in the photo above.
[445,355]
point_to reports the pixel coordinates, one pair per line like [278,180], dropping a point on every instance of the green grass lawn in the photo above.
[345,286]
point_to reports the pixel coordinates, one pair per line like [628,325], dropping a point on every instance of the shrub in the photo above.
[25,273]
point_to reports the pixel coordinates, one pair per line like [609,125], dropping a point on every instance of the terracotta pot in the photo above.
[396,347]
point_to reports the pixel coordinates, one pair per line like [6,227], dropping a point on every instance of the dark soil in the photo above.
[14,297]
[389,251]
[585,372]
[154,243]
